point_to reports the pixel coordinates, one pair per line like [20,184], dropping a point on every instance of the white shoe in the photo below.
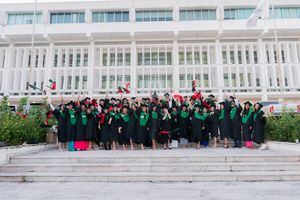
[263,147]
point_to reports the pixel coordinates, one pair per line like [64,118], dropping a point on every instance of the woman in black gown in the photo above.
[259,126]
[184,124]
[132,126]
[165,128]
[143,126]
[224,122]
[106,129]
[154,125]
[247,124]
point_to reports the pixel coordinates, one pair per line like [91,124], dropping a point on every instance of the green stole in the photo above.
[255,114]
[232,112]
[62,114]
[222,114]
[83,118]
[246,117]
[72,117]
[144,118]
[125,117]
[154,115]
[184,114]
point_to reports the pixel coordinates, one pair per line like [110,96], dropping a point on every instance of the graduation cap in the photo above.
[144,105]
[125,106]
[248,102]
[102,99]
[70,103]
[211,96]
[222,103]
[166,94]
[197,105]
[113,99]
[133,98]
[231,97]
[260,105]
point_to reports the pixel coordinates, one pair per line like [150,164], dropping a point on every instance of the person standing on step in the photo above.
[60,116]
[143,126]
[106,120]
[91,133]
[115,115]
[197,125]
[165,127]
[184,124]
[175,123]
[213,124]
[154,125]
[224,122]
[81,144]
[132,124]
[247,124]
[205,127]
[236,123]
[122,126]
[71,125]
[259,126]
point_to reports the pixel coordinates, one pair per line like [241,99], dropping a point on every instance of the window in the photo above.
[55,60]
[203,14]
[154,15]
[237,13]
[24,18]
[69,86]
[204,58]
[84,82]
[70,60]
[76,82]
[224,57]
[127,59]
[104,59]
[112,59]
[154,58]
[67,17]
[181,58]
[104,82]
[240,57]
[120,59]
[285,12]
[85,59]
[226,82]
[182,80]
[78,59]
[255,57]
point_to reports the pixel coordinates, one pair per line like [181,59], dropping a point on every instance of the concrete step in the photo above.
[186,159]
[151,167]
[150,176]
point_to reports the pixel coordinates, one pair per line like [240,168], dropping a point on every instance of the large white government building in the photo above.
[92,47]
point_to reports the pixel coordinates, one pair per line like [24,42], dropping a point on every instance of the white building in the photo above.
[94,47]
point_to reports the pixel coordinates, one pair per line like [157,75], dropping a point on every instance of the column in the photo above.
[175,62]
[263,69]
[133,76]
[220,73]
[91,67]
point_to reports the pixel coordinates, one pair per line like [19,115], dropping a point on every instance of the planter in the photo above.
[51,138]
[3,144]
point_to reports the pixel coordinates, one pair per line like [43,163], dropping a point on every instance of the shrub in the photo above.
[284,128]
[16,129]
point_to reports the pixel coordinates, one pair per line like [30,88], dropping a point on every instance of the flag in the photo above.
[178,97]
[125,89]
[52,85]
[262,11]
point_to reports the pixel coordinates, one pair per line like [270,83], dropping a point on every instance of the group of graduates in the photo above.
[113,122]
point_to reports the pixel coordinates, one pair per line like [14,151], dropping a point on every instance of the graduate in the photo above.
[184,125]
[91,133]
[123,126]
[165,127]
[81,144]
[106,129]
[60,116]
[247,124]
[71,125]
[114,125]
[224,122]
[236,123]
[259,126]
[154,125]
[174,136]
[197,125]
[213,124]
[132,125]
[143,126]
[205,127]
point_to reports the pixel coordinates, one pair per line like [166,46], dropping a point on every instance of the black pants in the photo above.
[237,143]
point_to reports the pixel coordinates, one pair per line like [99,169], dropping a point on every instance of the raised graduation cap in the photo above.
[260,105]
[211,96]
[222,103]
[248,102]
[36,88]
[70,103]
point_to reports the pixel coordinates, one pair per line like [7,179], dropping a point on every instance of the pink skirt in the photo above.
[81,145]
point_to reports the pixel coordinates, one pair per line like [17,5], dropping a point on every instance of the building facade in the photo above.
[91,48]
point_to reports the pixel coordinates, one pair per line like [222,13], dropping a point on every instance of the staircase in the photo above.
[183,165]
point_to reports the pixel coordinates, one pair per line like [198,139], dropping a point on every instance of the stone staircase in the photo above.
[182,165]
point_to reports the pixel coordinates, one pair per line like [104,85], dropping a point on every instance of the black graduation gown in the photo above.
[142,131]
[165,126]
[197,125]
[106,129]
[61,126]
[224,124]
[71,129]
[213,123]
[259,128]
[122,137]
[175,126]
[153,126]
[236,124]
[132,126]
[185,125]
[246,131]
[114,127]
[80,127]
[90,127]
